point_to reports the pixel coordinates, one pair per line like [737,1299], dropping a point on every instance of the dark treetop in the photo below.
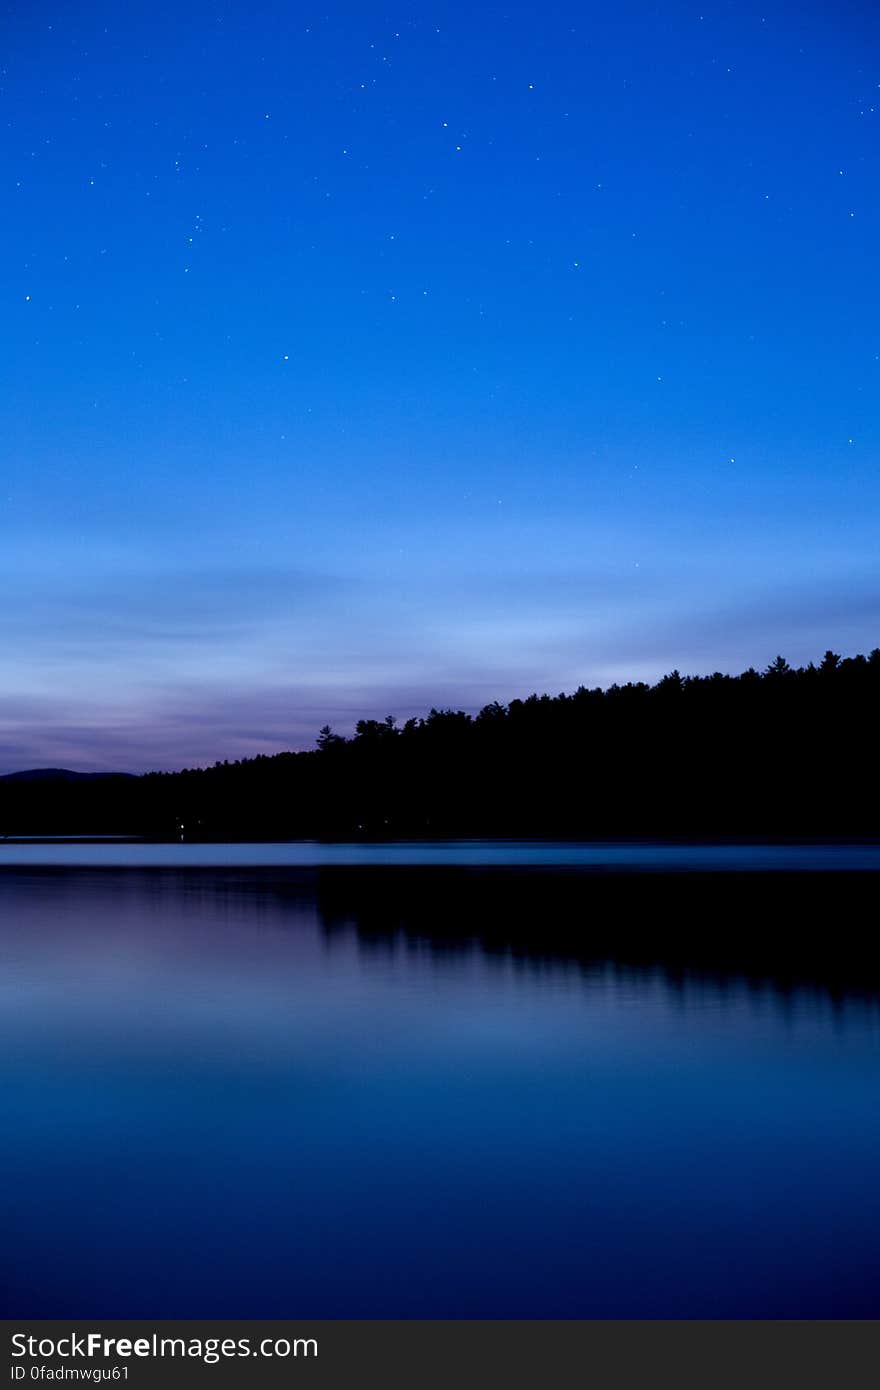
[781,752]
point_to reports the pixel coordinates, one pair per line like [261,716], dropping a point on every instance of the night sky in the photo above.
[360,359]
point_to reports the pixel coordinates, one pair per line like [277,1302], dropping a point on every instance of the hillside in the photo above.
[783,752]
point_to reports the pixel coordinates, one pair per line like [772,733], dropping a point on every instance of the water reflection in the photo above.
[714,933]
[776,932]
[458,1092]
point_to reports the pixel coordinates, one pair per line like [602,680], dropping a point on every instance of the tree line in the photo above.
[782,751]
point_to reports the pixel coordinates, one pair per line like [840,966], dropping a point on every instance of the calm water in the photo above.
[621,855]
[438,1091]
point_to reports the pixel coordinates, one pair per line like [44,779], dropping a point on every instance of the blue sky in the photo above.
[357,360]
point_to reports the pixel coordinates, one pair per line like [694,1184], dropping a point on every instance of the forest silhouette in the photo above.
[781,752]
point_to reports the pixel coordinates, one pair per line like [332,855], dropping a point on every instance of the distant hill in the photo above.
[58,774]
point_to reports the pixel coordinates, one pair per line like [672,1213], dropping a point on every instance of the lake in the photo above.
[439,1081]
